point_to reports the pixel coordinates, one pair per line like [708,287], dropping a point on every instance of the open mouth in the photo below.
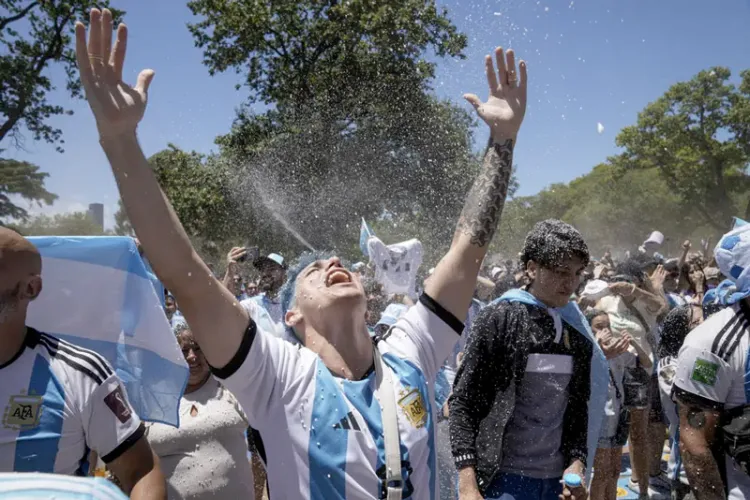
[337,277]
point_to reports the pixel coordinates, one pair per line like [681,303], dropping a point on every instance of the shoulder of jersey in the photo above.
[76,359]
[721,333]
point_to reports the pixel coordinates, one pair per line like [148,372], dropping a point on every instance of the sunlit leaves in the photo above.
[21,180]
[69,224]
[697,136]
[35,35]
[295,51]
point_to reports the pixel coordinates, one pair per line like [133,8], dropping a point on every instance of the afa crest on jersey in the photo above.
[413,406]
[23,412]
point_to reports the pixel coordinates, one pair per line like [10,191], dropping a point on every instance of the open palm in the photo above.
[117,106]
[506,104]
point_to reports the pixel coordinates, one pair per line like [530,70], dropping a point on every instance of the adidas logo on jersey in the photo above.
[348,422]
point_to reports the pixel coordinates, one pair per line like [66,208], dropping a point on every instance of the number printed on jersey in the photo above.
[412,404]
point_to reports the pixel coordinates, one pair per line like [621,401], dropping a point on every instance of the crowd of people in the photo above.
[504,378]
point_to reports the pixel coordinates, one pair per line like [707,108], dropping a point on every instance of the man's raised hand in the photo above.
[506,104]
[117,107]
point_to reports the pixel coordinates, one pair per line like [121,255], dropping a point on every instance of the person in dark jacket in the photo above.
[519,412]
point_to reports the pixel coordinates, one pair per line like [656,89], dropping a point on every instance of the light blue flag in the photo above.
[599,378]
[33,486]
[738,222]
[99,295]
[365,233]
[733,258]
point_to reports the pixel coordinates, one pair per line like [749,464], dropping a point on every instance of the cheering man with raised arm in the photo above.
[319,402]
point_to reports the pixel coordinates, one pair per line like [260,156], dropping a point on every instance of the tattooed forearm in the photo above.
[696,418]
[703,475]
[484,204]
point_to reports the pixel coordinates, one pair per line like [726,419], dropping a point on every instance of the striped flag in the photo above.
[35,486]
[98,294]
[365,233]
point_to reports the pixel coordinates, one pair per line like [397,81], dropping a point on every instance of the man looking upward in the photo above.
[319,403]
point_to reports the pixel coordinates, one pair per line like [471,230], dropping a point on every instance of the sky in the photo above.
[589,62]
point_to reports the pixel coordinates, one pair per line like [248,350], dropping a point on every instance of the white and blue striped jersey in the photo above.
[712,373]
[61,401]
[323,435]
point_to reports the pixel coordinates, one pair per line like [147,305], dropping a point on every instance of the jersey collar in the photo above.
[29,340]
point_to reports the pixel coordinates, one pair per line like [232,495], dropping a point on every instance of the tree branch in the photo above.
[284,51]
[14,115]
[5,21]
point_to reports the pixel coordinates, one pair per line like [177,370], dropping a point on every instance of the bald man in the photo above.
[61,401]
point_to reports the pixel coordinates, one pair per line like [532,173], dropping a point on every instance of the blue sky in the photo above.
[590,61]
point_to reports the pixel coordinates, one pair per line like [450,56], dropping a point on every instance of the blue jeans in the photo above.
[514,487]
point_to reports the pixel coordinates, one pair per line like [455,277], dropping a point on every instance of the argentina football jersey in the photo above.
[61,401]
[323,434]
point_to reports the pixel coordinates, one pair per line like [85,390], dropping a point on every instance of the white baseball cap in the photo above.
[656,238]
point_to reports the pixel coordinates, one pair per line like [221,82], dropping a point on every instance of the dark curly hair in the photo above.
[552,241]
[631,271]
[674,329]
[594,313]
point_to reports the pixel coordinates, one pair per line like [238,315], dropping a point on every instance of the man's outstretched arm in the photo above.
[452,285]
[215,317]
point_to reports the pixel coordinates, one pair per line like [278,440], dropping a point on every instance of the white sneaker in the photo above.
[633,486]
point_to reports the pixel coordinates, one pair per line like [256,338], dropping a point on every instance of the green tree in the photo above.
[122,223]
[697,135]
[293,51]
[319,178]
[197,187]
[70,224]
[354,130]
[613,210]
[34,35]
[23,180]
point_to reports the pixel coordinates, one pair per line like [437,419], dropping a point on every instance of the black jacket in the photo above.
[494,363]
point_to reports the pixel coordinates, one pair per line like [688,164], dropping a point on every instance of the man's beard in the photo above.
[267,285]
[9,301]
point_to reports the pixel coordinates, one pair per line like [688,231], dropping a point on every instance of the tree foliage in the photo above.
[34,35]
[354,130]
[69,224]
[321,178]
[327,51]
[612,209]
[21,180]
[197,187]
[122,223]
[697,136]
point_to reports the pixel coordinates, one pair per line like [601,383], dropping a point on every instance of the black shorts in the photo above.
[655,412]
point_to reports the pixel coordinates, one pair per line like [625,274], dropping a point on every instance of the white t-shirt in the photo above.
[266,314]
[623,320]
[666,370]
[711,373]
[59,402]
[326,432]
[206,458]
[396,265]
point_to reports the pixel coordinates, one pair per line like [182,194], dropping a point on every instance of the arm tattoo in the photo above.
[696,418]
[703,475]
[484,204]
